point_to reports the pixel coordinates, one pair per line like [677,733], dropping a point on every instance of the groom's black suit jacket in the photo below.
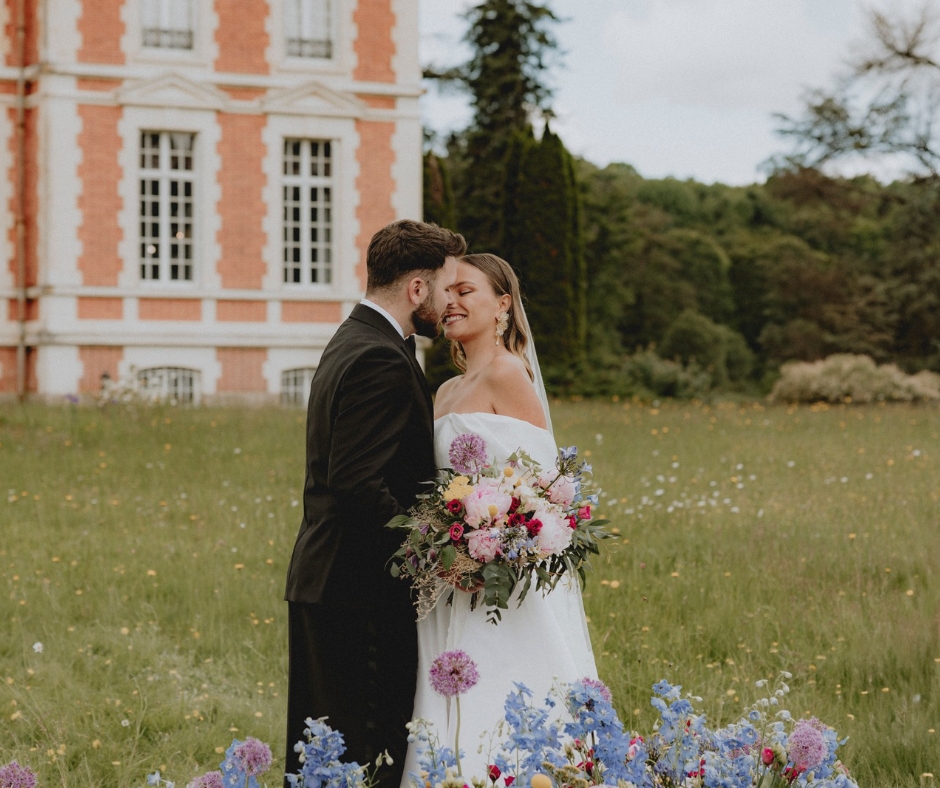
[369,446]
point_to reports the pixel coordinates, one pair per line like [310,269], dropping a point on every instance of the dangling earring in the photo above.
[502,323]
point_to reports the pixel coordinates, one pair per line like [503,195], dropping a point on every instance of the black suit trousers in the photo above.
[357,668]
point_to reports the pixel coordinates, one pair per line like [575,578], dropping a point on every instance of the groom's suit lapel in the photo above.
[370,317]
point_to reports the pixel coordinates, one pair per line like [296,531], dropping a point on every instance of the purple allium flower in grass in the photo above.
[453,673]
[807,745]
[253,756]
[600,686]
[15,776]
[207,780]
[468,453]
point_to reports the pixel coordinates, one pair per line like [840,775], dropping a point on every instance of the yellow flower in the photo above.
[458,488]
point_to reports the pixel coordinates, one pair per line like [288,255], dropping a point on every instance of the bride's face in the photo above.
[475,306]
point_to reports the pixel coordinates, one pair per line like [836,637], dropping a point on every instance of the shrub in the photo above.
[695,339]
[855,378]
[646,374]
[739,358]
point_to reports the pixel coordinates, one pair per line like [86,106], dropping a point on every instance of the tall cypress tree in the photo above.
[511,45]
[542,239]
[438,194]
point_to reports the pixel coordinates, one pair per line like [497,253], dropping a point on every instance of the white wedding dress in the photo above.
[540,643]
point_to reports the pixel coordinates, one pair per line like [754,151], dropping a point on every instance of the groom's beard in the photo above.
[426,318]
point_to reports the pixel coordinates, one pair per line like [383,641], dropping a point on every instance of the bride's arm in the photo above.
[512,393]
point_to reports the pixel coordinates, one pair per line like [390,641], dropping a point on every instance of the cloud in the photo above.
[719,54]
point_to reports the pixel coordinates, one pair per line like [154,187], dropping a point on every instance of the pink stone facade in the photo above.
[190,194]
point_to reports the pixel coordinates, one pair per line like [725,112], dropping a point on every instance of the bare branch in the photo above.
[903,43]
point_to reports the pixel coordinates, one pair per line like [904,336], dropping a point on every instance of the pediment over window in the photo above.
[314,98]
[172,90]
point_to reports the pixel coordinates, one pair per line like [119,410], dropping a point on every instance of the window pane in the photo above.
[308,28]
[166,205]
[306,218]
[167,24]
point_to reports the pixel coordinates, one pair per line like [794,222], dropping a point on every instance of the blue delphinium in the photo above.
[532,739]
[594,720]
[320,764]
[433,760]
[679,739]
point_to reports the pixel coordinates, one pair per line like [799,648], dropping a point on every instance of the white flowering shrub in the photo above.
[126,390]
[852,378]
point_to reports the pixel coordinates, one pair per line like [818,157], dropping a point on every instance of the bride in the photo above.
[500,397]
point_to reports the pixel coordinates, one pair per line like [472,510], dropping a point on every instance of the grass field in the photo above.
[145,550]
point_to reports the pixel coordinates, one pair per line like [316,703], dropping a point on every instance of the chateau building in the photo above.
[188,187]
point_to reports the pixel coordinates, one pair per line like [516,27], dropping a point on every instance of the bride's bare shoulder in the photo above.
[512,391]
[445,392]
[507,368]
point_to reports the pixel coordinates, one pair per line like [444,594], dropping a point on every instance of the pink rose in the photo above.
[767,756]
[456,531]
[584,513]
[483,544]
[485,506]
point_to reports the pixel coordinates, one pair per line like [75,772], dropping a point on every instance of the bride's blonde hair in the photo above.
[504,282]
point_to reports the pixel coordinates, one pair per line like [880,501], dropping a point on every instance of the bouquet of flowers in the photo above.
[484,527]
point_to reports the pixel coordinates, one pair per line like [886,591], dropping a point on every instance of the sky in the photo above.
[681,88]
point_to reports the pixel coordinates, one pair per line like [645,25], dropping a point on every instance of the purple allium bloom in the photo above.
[207,780]
[599,686]
[253,756]
[468,453]
[453,673]
[807,745]
[15,776]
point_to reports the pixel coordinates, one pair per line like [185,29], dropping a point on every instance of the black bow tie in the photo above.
[412,345]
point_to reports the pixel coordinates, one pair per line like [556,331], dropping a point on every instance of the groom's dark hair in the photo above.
[404,247]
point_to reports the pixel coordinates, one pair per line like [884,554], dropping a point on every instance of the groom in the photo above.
[353,641]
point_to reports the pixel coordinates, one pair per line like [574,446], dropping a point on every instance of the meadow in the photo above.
[144,552]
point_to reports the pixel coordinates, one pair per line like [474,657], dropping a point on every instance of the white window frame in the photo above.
[155,263]
[295,385]
[308,245]
[309,31]
[167,24]
[176,385]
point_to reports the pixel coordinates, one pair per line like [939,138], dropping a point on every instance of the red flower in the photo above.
[516,519]
[533,526]
[572,521]
[493,771]
[456,532]
[508,779]
[585,512]
[454,506]
[767,756]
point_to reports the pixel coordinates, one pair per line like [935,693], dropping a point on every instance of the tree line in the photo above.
[676,287]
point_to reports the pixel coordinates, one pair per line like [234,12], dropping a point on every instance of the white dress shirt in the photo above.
[384,313]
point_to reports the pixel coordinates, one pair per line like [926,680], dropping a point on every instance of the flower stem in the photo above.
[457,737]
